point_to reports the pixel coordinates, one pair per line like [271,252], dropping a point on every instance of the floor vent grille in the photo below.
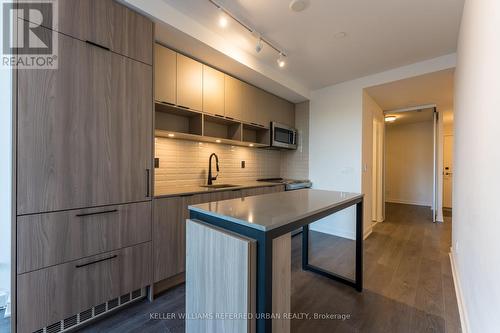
[92,313]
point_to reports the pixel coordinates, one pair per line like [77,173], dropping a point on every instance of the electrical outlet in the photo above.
[243,164]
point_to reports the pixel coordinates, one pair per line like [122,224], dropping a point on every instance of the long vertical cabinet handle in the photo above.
[148,183]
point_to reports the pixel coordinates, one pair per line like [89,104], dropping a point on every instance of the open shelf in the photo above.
[172,121]
[178,120]
[222,128]
[255,134]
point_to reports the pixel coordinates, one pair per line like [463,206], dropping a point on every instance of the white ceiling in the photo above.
[434,88]
[381,35]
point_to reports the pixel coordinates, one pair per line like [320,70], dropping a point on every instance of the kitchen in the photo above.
[157,131]
[160,177]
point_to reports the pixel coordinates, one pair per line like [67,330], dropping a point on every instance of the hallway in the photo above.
[408,284]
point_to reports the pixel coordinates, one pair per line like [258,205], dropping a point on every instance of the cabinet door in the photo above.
[189,83]
[265,107]
[234,94]
[132,34]
[168,237]
[278,110]
[84,130]
[108,24]
[90,20]
[213,91]
[165,74]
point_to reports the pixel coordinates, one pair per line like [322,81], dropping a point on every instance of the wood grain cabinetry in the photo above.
[54,238]
[58,292]
[189,83]
[239,100]
[213,91]
[169,226]
[169,234]
[84,130]
[165,75]
[107,24]
[132,34]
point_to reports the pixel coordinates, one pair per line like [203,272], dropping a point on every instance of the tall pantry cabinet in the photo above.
[84,158]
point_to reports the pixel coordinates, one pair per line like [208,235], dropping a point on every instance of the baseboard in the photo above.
[460,298]
[369,231]
[407,202]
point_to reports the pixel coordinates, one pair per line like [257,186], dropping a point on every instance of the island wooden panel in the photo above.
[55,293]
[282,281]
[84,130]
[55,238]
[220,279]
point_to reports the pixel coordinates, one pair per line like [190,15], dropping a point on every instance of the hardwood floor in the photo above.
[408,283]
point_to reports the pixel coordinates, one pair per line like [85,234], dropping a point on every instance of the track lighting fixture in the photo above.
[224,17]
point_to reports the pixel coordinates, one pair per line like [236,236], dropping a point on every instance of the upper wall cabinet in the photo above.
[107,24]
[189,83]
[213,91]
[84,130]
[165,75]
[234,98]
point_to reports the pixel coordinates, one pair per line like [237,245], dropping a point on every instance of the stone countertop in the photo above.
[172,191]
[269,211]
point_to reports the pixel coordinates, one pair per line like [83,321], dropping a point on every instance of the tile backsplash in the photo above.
[186,162]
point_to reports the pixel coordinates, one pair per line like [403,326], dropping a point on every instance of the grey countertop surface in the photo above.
[269,211]
[171,191]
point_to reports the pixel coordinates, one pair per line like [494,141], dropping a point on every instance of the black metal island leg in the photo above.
[357,283]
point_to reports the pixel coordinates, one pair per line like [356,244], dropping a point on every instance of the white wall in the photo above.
[336,132]
[409,163]
[476,217]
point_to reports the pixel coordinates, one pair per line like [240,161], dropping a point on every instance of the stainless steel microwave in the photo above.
[283,136]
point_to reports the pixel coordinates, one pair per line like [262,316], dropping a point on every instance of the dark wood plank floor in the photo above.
[408,283]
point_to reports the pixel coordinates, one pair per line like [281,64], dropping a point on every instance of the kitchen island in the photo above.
[238,257]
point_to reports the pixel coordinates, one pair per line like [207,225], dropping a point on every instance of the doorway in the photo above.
[410,157]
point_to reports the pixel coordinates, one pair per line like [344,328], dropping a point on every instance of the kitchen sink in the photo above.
[220,186]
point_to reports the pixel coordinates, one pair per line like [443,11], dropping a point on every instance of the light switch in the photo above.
[243,164]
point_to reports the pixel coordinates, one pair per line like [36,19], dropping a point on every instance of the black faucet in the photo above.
[210,178]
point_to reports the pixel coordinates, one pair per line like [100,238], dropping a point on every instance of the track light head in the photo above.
[281,60]
[259,46]
[222,19]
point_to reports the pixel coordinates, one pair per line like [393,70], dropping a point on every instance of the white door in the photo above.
[447,170]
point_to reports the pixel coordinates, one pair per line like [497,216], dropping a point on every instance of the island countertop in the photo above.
[269,211]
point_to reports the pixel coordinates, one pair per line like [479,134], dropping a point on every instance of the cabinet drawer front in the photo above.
[84,131]
[53,238]
[55,293]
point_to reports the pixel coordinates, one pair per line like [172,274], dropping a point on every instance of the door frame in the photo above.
[437,179]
